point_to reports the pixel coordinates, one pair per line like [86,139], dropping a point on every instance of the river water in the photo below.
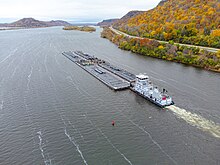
[53,112]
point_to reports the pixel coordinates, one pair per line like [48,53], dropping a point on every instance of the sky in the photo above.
[70,10]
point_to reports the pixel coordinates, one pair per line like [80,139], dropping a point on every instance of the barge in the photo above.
[119,79]
[90,65]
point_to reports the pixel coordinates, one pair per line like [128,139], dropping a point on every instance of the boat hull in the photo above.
[151,100]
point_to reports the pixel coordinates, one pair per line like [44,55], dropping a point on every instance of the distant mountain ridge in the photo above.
[131,14]
[161,3]
[109,22]
[33,23]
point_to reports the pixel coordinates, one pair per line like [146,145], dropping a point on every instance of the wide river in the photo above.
[53,112]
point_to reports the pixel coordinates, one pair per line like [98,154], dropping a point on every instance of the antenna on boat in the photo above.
[164,90]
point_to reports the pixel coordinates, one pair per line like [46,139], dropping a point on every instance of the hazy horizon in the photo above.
[70,10]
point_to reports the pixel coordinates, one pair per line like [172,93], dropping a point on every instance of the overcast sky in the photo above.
[70,10]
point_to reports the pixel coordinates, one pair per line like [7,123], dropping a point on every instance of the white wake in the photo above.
[73,141]
[197,120]
[41,146]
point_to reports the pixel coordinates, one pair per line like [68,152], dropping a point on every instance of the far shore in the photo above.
[11,28]
[18,28]
[80,28]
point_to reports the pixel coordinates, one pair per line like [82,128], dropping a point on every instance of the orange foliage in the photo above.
[144,42]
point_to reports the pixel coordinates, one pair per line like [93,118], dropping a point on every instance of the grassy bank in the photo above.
[181,54]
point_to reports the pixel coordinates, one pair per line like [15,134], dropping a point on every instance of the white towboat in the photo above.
[144,87]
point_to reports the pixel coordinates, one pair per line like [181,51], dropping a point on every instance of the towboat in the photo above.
[144,87]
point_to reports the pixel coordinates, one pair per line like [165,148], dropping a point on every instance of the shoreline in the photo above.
[11,28]
[19,28]
[166,51]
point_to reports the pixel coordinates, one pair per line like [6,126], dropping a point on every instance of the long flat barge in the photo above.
[91,65]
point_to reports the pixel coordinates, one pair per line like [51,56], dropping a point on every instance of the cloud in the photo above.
[71,9]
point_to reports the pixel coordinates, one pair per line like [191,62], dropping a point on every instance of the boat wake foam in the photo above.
[41,145]
[197,120]
[1,105]
[72,140]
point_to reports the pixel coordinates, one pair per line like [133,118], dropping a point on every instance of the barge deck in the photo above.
[91,65]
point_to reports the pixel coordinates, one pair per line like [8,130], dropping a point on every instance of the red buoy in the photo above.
[113,123]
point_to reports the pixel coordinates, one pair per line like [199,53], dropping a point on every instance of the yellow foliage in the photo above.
[216,33]
[183,21]
[160,47]
[205,6]
[166,35]
[175,15]
[153,33]
[210,12]
[218,54]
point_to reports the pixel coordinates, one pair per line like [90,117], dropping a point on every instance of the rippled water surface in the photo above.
[53,112]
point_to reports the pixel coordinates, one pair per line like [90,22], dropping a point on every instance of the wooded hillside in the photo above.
[185,21]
